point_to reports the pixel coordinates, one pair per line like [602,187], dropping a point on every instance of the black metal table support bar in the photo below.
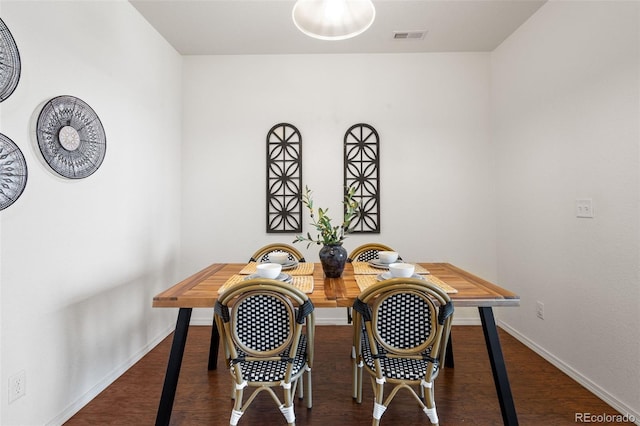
[213,347]
[173,367]
[498,367]
[448,357]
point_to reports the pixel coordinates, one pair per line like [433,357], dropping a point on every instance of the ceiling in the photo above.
[244,27]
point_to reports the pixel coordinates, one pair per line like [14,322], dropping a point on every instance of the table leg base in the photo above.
[498,367]
[214,345]
[173,367]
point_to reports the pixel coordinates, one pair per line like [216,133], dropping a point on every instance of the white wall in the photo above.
[81,260]
[554,111]
[565,91]
[431,113]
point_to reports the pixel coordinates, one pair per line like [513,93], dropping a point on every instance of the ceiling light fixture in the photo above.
[333,19]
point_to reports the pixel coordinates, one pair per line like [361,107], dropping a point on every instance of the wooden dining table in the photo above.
[201,290]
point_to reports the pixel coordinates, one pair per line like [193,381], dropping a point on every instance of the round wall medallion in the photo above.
[71,137]
[9,62]
[13,172]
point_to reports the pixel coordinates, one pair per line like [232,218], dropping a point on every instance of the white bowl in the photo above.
[387,256]
[401,270]
[278,257]
[269,270]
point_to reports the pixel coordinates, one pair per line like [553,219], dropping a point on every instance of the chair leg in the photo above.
[308,388]
[237,412]
[300,387]
[287,412]
[287,408]
[359,381]
[429,401]
[378,407]
[354,379]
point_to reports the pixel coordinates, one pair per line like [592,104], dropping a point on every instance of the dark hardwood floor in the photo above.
[465,395]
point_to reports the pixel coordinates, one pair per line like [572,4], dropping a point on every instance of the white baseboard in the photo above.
[466,321]
[575,375]
[77,405]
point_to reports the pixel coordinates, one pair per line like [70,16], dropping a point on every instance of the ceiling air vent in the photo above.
[409,35]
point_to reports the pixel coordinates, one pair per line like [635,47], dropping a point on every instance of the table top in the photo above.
[201,289]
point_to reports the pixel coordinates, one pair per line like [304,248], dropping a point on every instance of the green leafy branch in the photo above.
[328,234]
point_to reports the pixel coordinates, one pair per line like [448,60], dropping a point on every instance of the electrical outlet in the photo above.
[17,386]
[584,208]
[540,310]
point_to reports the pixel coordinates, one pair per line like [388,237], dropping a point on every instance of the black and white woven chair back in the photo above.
[263,323]
[265,257]
[367,255]
[404,322]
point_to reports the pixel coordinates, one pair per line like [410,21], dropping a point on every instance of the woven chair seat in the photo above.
[395,368]
[273,371]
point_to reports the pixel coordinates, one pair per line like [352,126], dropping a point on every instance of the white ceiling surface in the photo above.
[245,27]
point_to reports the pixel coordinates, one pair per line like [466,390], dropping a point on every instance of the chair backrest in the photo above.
[404,321]
[405,317]
[262,254]
[262,318]
[263,323]
[367,252]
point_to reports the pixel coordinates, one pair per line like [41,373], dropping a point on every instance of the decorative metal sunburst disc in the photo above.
[13,172]
[71,137]
[9,63]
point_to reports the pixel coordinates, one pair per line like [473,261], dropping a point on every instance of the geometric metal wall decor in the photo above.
[9,62]
[362,173]
[13,172]
[284,179]
[71,137]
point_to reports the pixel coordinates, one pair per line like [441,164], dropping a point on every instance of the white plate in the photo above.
[282,277]
[289,265]
[387,276]
[376,263]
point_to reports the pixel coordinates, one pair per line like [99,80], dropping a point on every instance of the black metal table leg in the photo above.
[173,367]
[448,358]
[498,367]
[213,347]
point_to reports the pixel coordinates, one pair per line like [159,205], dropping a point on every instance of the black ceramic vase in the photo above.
[333,257]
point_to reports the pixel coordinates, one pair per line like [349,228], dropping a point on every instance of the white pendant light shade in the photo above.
[333,19]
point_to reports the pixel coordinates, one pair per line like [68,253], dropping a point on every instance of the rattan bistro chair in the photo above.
[262,255]
[267,327]
[401,327]
[367,252]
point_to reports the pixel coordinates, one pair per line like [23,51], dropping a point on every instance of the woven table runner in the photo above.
[363,268]
[303,283]
[303,268]
[365,281]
